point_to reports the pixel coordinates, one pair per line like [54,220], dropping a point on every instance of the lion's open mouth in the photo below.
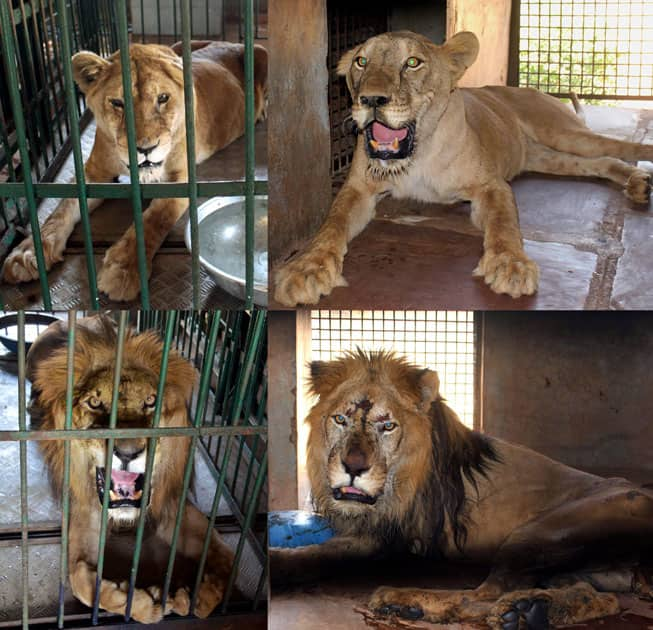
[126,488]
[386,143]
[349,493]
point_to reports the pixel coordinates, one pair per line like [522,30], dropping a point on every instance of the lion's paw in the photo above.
[21,266]
[386,601]
[638,186]
[512,273]
[532,614]
[209,596]
[311,274]
[119,277]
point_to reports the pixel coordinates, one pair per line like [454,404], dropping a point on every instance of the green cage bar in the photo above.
[24,524]
[65,486]
[189,104]
[149,464]
[113,418]
[130,123]
[201,402]
[250,148]
[8,53]
[77,153]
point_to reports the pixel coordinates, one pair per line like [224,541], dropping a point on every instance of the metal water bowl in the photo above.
[222,244]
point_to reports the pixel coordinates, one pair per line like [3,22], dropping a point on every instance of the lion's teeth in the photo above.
[395,145]
[374,144]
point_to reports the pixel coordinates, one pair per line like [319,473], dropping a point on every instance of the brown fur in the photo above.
[468,144]
[436,488]
[94,364]
[218,85]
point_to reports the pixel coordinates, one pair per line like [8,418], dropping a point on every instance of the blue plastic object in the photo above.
[297,528]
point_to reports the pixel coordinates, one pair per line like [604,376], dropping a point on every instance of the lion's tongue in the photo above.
[385,135]
[352,490]
[124,483]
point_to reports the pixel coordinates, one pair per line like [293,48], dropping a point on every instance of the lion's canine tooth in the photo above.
[395,145]
[374,144]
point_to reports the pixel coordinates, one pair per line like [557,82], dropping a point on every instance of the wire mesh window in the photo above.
[349,25]
[43,117]
[228,450]
[600,49]
[442,340]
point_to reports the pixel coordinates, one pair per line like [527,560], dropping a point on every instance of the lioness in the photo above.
[158,93]
[394,470]
[94,363]
[422,137]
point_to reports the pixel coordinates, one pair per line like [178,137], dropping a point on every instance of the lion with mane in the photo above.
[394,470]
[94,362]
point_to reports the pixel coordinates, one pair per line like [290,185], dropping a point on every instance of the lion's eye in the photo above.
[388,425]
[94,403]
[150,401]
[117,102]
[361,62]
[413,62]
[163,98]
[339,419]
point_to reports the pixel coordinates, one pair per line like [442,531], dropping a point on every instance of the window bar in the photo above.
[158,20]
[171,320]
[205,381]
[123,39]
[174,20]
[23,467]
[251,511]
[71,103]
[258,323]
[65,486]
[8,52]
[250,159]
[56,54]
[186,27]
[31,107]
[122,325]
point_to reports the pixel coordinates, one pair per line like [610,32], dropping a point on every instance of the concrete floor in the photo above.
[170,282]
[339,602]
[592,244]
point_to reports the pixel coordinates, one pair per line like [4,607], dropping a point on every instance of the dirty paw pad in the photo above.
[405,612]
[527,613]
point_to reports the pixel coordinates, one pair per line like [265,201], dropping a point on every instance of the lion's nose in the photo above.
[127,452]
[147,149]
[355,462]
[374,101]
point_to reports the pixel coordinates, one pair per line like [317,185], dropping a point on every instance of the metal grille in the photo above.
[599,49]
[349,25]
[72,25]
[229,444]
[441,340]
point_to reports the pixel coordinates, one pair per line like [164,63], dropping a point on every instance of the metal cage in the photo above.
[40,122]
[229,440]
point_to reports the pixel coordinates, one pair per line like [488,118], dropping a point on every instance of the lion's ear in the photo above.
[87,68]
[325,376]
[461,52]
[429,385]
[345,62]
